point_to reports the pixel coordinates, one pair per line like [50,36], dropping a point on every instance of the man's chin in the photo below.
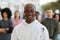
[29,18]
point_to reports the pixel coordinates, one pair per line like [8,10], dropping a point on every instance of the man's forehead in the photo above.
[31,6]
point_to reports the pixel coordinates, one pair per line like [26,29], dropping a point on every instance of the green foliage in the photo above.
[53,5]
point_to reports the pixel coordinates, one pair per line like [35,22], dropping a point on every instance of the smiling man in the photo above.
[30,29]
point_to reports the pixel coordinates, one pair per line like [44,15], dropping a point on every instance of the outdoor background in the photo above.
[40,5]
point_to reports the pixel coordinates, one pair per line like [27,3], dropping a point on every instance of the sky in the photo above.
[42,2]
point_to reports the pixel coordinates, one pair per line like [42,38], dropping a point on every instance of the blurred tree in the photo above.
[53,5]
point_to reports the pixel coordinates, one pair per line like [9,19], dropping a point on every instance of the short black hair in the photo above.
[8,11]
[30,5]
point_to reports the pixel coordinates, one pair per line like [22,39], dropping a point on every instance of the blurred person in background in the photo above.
[6,25]
[37,16]
[17,18]
[57,16]
[51,24]
[30,29]
[0,14]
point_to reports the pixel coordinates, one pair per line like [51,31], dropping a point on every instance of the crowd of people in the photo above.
[31,27]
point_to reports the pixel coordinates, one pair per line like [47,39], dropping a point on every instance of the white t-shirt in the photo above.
[32,31]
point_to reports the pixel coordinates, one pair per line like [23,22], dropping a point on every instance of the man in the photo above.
[30,29]
[50,23]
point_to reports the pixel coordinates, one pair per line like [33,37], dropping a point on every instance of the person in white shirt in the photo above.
[30,28]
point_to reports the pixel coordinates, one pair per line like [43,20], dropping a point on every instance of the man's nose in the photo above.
[29,14]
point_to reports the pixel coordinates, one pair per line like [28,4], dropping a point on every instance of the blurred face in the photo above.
[5,15]
[29,12]
[57,17]
[17,14]
[37,16]
[49,13]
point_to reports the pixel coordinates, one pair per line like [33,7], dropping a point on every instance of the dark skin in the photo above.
[29,13]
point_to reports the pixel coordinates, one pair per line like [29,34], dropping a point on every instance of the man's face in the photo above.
[49,13]
[29,12]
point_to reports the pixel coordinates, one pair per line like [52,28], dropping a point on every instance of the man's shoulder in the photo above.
[53,19]
[43,28]
[43,20]
[40,25]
